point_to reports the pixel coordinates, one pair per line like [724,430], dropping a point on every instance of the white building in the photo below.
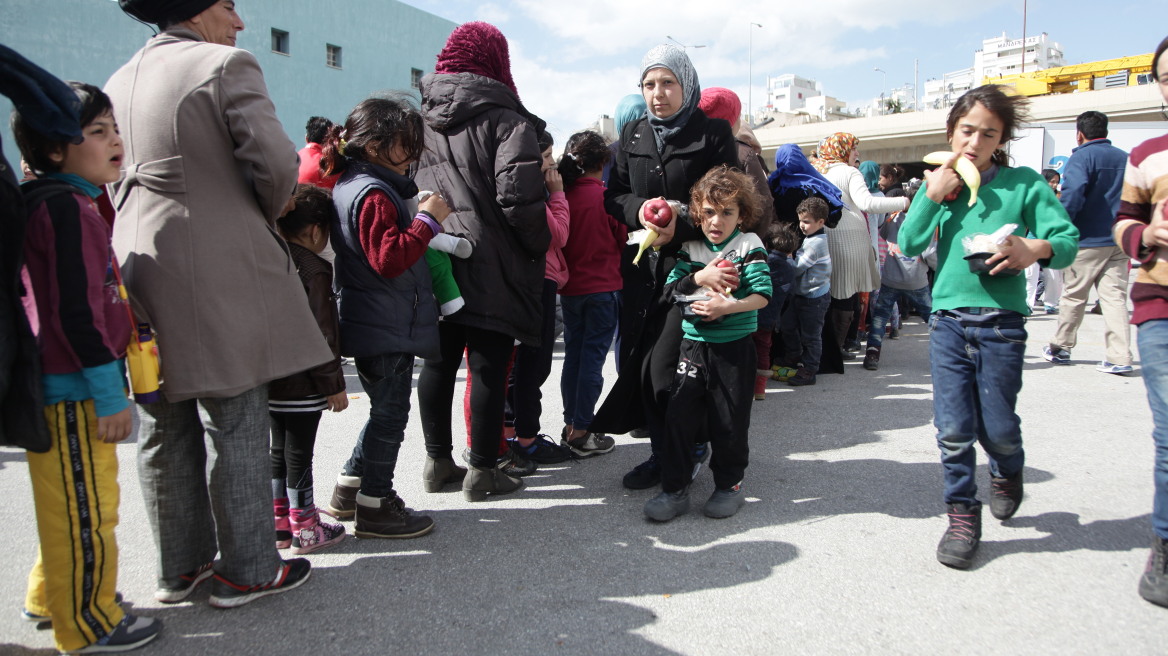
[793,100]
[998,56]
[945,91]
[789,93]
[1004,56]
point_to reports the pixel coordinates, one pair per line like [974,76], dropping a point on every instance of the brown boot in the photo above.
[480,482]
[872,358]
[437,472]
[841,320]
[343,503]
[391,519]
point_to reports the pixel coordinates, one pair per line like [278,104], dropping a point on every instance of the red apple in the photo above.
[727,264]
[952,196]
[657,212]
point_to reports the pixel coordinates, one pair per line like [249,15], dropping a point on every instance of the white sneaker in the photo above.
[1117,369]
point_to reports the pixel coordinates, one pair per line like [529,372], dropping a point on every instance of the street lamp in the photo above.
[683,46]
[750,75]
[883,86]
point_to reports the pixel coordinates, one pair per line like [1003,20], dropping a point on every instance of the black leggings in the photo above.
[488,353]
[293,440]
[533,365]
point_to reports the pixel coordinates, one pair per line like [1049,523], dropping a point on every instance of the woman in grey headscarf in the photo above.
[662,154]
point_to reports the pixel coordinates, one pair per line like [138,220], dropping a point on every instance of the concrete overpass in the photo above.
[906,138]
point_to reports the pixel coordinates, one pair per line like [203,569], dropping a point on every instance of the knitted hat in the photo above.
[159,12]
[719,102]
[478,48]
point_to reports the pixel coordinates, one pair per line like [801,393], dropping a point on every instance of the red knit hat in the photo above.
[478,48]
[719,102]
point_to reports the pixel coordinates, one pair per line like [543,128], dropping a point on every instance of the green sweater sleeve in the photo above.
[1046,217]
[916,232]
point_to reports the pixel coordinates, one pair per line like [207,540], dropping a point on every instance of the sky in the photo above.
[572,61]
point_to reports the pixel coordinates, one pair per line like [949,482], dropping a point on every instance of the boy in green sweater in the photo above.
[978,333]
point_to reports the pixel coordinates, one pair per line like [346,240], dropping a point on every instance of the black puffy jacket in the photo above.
[483,158]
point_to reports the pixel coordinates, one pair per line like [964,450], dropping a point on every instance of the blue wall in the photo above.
[381,41]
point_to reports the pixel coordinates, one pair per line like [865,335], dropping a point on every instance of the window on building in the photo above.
[332,55]
[281,42]
[416,78]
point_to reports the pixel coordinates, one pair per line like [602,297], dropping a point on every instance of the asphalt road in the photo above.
[833,554]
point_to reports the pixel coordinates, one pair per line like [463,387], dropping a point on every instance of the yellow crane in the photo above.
[1079,77]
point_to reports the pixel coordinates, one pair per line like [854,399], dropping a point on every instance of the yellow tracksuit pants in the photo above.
[75,488]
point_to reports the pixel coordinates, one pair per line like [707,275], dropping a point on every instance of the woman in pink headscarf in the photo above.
[483,157]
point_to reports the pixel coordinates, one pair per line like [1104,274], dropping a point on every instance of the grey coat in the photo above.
[208,170]
[483,157]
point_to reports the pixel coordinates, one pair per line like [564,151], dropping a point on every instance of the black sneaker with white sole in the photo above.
[172,591]
[291,573]
[131,633]
[589,444]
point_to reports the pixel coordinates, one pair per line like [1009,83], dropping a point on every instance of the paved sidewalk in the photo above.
[834,554]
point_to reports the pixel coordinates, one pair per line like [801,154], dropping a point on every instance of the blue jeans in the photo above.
[388,380]
[589,324]
[1153,344]
[886,299]
[977,374]
[802,328]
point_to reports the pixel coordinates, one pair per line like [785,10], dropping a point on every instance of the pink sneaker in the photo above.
[310,534]
[283,526]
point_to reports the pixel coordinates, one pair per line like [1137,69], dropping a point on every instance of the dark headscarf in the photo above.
[478,48]
[793,171]
[161,12]
[678,63]
[795,179]
[47,104]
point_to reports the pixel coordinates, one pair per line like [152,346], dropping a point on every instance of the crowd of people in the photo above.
[447,233]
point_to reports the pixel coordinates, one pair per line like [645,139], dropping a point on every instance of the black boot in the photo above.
[962,538]
[1154,582]
[438,472]
[872,358]
[480,482]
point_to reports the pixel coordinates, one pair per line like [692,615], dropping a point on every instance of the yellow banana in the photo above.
[964,168]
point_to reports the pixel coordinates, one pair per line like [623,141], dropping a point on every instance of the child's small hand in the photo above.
[717,306]
[1156,234]
[553,180]
[941,182]
[1018,253]
[436,206]
[719,279]
[114,428]
[337,402]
